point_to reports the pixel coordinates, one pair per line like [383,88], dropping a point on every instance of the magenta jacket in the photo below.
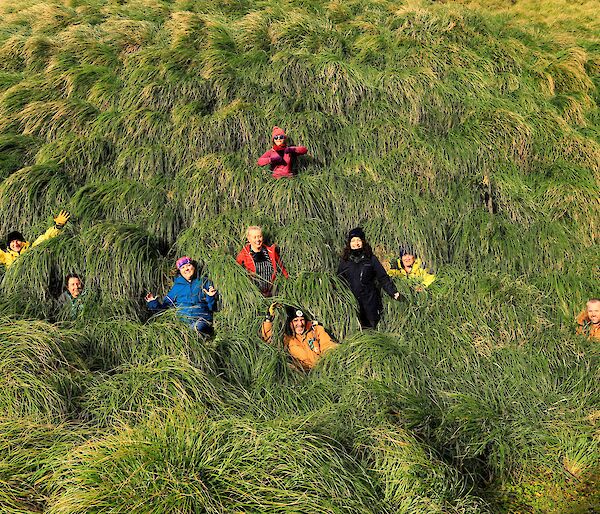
[281,161]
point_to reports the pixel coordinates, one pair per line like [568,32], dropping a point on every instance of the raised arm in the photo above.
[265,158]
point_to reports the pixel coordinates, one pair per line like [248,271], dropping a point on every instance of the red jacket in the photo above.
[244,258]
[282,160]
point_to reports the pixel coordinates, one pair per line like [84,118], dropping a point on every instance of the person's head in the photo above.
[297,321]
[407,255]
[278,137]
[356,243]
[254,235]
[186,267]
[15,241]
[74,284]
[593,310]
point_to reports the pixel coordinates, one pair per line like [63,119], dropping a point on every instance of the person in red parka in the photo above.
[261,260]
[281,157]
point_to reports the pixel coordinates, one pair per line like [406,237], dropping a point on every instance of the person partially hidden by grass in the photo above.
[364,274]
[409,267]
[195,298]
[589,320]
[72,301]
[305,340]
[16,245]
[281,157]
[261,261]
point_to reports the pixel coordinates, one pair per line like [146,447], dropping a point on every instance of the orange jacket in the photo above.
[586,327]
[299,346]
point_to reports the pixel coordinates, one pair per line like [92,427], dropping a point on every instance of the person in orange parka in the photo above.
[589,320]
[281,157]
[306,341]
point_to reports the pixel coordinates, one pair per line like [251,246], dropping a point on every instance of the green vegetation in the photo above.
[470,129]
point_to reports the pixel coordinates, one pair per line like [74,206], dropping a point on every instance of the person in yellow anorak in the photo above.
[589,320]
[16,245]
[410,267]
[305,340]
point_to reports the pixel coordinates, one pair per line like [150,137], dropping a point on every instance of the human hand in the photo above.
[150,297]
[61,219]
[397,296]
[211,291]
[272,308]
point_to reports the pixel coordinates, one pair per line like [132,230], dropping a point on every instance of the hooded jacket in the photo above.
[306,349]
[189,298]
[417,272]
[8,256]
[586,327]
[244,258]
[362,272]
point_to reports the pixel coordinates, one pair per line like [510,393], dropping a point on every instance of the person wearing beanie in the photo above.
[281,157]
[195,298]
[261,261]
[588,321]
[364,274]
[409,267]
[305,340]
[16,245]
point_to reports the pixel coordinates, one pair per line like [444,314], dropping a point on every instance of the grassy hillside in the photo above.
[469,129]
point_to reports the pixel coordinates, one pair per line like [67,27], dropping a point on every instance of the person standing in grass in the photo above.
[73,299]
[589,320]
[195,298]
[16,245]
[261,261]
[305,340]
[409,267]
[281,157]
[364,274]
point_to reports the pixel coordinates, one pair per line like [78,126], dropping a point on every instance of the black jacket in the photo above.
[362,274]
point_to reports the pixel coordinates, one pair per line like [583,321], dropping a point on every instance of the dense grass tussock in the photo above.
[467,129]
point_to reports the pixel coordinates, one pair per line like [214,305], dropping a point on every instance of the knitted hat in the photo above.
[14,236]
[277,132]
[356,232]
[182,261]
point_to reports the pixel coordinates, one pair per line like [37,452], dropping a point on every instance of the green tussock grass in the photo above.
[467,129]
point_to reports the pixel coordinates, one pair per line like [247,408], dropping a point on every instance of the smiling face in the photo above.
[298,325]
[74,286]
[255,238]
[16,246]
[279,140]
[356,243]
[408,260]
[187,271]
[593,311]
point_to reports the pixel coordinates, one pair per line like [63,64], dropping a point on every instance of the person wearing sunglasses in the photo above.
[281,157]
[195,298]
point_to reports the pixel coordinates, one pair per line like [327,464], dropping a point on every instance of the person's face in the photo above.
[16,245]
[187,271]
[255,238]
[593,312]
[74,287]
[279,140]
[299,325]
[408,260]
[356,243]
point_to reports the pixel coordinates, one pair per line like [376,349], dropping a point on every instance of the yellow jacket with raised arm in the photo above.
[417,272]
[8,256]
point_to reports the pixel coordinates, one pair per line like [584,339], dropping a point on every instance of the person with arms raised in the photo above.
[281,157]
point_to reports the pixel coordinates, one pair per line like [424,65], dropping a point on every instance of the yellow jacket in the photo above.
[8,256]
[299,346]
[417,272]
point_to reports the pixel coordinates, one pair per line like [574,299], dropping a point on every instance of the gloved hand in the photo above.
[290,149]
[398,297]
[272,309]
[61,219]
[277,159]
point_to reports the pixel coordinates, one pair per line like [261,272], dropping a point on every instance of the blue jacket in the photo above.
[189,299]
